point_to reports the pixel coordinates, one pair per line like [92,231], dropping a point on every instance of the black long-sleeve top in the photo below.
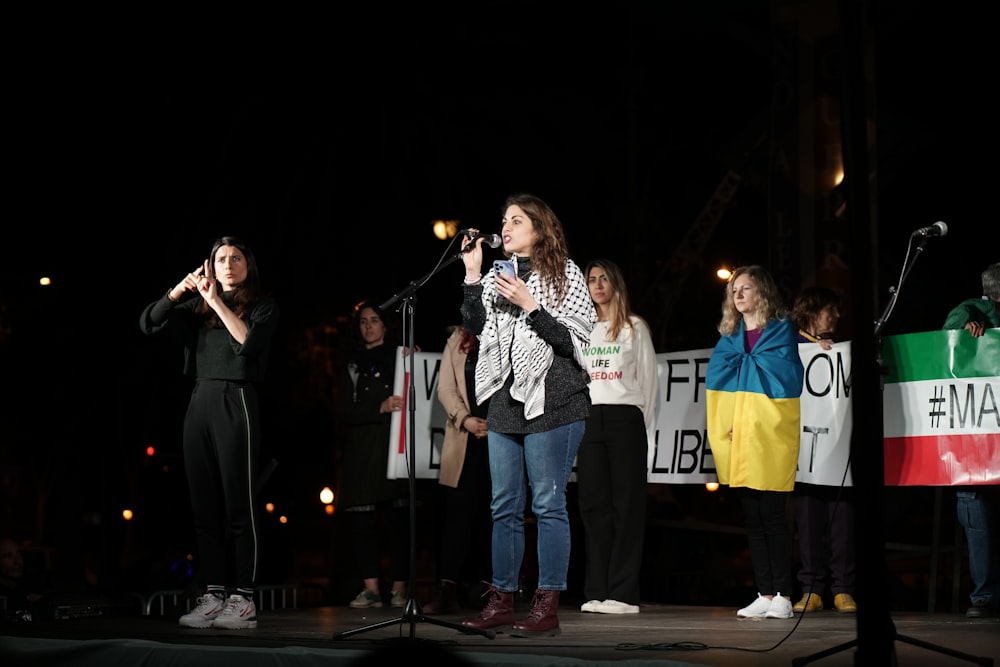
[212,353]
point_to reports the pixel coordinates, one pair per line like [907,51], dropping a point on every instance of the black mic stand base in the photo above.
[413,615]
[895,636]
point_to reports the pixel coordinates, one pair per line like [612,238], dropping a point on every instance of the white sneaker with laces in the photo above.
[590,605]
[240,613]
[757,609]
[780,608]
[616,607]
[204,613]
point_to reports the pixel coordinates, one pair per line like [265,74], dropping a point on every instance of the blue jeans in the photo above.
[977,517]
[545,460]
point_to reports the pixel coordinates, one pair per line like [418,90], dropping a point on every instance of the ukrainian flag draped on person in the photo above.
[755,393]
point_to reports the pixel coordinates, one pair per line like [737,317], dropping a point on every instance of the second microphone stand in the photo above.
[884,625]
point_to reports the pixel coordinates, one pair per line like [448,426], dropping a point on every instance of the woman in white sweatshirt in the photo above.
[612,461]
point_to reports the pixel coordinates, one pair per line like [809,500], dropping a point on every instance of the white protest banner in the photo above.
[682,454]
[429,418]
[826,416]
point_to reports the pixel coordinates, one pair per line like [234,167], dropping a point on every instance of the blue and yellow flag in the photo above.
[756,394]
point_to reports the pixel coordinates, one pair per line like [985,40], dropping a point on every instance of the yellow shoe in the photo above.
[809,602]
[844,603]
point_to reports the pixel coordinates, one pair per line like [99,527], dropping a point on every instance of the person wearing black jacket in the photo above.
[365,404]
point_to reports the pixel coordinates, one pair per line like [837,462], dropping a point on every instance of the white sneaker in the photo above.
[616,607]
[590,605]
[240,613]
[365,599]
[398,599]
[757,609]
[205,612]
[780,608]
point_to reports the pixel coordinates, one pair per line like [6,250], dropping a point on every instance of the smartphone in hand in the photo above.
[504,267]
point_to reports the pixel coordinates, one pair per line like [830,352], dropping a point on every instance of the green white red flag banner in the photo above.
[941,416]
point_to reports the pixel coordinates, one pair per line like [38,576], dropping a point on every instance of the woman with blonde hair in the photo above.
[753,385]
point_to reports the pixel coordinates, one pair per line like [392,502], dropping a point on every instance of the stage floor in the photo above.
[664,634]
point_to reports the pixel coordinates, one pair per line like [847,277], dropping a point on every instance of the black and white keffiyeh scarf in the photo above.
[508,343]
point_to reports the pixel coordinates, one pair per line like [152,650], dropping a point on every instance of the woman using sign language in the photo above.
[225,323]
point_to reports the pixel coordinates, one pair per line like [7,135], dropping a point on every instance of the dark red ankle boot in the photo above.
[542,620]
[498,614]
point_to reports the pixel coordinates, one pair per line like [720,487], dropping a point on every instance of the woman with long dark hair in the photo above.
[612,465]
[365,403]
[225,324]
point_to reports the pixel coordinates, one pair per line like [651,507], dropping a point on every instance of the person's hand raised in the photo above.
[188,284]
[977,329]
[472,254]
[207,286]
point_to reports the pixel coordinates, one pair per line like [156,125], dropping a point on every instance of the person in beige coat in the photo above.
[464,478]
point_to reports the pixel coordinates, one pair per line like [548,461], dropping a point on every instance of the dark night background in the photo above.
[330,143]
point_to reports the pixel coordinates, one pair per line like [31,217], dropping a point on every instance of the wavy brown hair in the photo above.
[550,252]
[809,303]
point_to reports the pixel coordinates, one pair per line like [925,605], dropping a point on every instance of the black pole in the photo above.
[876,633]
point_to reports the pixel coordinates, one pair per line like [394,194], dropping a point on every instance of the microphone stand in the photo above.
[877,601]
[411,611]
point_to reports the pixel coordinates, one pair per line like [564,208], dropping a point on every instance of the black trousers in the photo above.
[611,494]
[770,539]
[367,534]
[221,438]
[824,519]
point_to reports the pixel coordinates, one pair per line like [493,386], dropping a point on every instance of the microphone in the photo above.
[937,229]
[492,240]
